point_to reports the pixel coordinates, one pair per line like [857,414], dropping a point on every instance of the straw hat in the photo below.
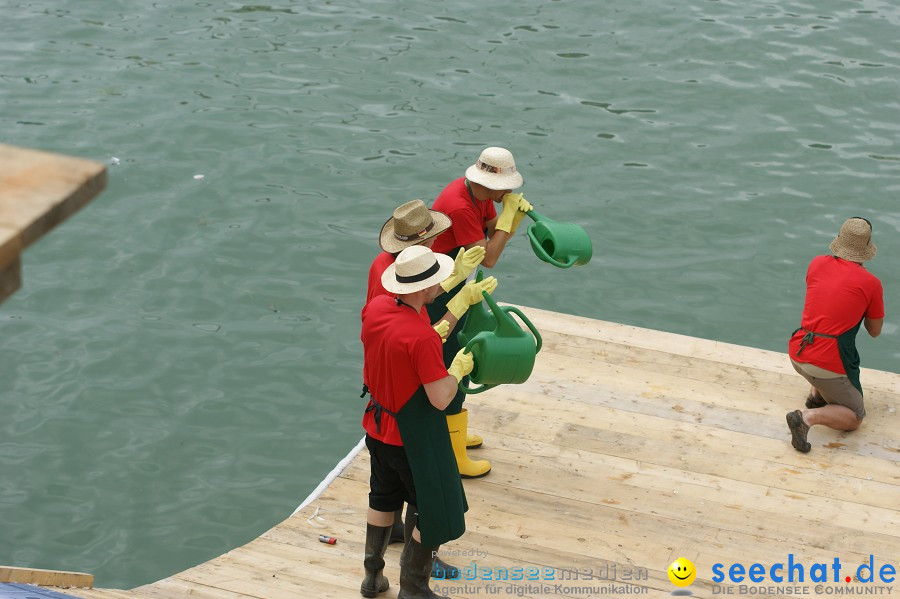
[415,269]
[495,169]
[412,223]
[854,242]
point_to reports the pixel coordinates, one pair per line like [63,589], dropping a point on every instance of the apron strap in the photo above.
[471,194]
[809,337]
[379,409]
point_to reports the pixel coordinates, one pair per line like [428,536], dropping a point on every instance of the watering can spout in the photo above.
[535,215]
[478,319]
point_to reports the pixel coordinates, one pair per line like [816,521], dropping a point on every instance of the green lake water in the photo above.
[182,367]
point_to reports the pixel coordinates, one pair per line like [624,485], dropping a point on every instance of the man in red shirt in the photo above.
[412,224]
[469,202]
[840,296]
[406,430]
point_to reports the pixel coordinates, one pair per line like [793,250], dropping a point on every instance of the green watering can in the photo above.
[503,354]
[561,244]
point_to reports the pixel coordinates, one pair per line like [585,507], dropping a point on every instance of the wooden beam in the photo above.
[10,278]
[38,190]
[46,578]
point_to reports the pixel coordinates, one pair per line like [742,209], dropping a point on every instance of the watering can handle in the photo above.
[493,305]
[534,331]
[542,253]
[473,390]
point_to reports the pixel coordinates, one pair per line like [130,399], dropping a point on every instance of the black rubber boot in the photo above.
[441,570]
[416,564]
[377,540]
[397,533]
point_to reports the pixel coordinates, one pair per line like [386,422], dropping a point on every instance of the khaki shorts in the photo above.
[838,390]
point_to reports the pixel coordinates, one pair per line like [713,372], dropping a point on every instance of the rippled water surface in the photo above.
[181,366]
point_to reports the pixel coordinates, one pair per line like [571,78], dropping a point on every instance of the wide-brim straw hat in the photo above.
[412,223]
[415,269]
[495,169]
[854,241]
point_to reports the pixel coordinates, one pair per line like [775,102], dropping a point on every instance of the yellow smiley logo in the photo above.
[682,572]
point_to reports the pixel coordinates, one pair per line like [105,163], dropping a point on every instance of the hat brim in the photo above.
[391,244]
[841,251]
[392,285]
[494,181]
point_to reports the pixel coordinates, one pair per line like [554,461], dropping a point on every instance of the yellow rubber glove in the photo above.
[465,263]
[470,295]
[461,365]
[443,329]
[513,203]
[524,207]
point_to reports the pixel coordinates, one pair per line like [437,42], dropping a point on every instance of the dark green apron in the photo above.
[436,310]
[439,491]
[846,348]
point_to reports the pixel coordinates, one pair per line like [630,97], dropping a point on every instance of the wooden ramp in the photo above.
[626,450]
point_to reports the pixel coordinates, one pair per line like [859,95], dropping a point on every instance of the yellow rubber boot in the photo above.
[473,441]
[457,424]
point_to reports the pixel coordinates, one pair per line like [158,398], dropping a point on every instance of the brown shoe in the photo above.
[814,401]
[799,430]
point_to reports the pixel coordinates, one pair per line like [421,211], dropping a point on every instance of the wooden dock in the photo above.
[38,190]
[626,449]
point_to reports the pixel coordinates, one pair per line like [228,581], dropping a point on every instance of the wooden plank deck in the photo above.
[50,578]
[626,449]
[38,190]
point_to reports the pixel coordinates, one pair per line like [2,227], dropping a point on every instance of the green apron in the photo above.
[439,491]
[846,348]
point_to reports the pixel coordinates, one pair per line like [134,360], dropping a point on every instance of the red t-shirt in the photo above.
[469,217]
[379,265]
[839,293]
[400,353]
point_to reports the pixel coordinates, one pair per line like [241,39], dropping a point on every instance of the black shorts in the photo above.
[391,481]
